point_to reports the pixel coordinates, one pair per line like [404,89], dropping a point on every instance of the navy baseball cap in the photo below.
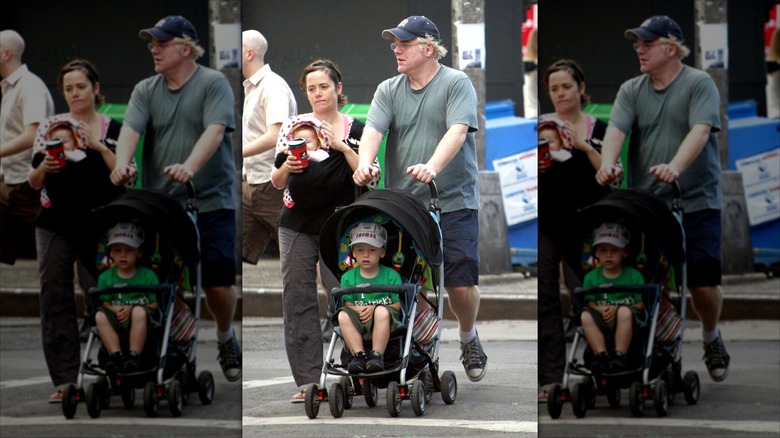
[172,26]
[655,27]
[412,27]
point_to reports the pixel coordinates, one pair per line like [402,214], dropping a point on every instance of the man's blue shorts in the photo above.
[703,247]
[218,247]
[460,230]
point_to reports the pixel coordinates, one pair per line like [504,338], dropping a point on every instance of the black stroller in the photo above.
[168,361]
[654,361]
[414,249]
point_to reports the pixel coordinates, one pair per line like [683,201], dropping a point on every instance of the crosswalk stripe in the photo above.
[493,426]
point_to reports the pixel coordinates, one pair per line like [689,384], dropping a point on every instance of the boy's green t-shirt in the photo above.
[143,277]
[386,277]
[629,276]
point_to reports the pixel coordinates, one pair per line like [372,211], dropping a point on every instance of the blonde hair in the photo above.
[682,50]
[532,52]
[197,51]
[774,47]
[439,50]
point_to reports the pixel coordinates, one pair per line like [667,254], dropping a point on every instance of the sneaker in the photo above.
[357,364]
[618,363]
[474,359]
[600,364]
[716,359]
[230,359]
[376,362]
[114,363]
[132,363]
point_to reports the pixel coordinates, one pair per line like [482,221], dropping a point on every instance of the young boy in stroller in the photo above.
[374,313]
[617,312]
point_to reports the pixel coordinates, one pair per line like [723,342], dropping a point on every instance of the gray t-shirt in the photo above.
[417,120]
[661,119]
[178,118]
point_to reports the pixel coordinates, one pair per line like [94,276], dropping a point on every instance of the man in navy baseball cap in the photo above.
[658,26]
[172,26]
[412,27]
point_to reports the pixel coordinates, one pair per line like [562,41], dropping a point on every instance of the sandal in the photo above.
[56,397]
[544,391]
[299,397]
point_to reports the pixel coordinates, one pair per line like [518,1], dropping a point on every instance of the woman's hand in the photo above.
[50,164]
[365,313]
[89,140]
[335,142]
[574,140]
[293,164]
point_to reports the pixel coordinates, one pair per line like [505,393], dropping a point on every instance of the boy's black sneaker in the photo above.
[376,362]
[600,364]
[114,363]
[132,363]
[357,364]
[618,363]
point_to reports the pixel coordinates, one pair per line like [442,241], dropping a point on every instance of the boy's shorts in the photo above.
[218,247]
[639,319]
[703,247]
[367,328]
[460,231]
[152,319]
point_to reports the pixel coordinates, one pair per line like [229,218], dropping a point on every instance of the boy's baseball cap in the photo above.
[172,26]
[412,27]
[130,234]
[370,233]
[612,233]
[657,26]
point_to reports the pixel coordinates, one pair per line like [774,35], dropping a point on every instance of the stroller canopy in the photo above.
[640,212]
[154,209]
[401,207]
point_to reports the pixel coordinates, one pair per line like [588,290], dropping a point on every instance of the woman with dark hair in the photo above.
[72,188]
[312,194]
[564,187]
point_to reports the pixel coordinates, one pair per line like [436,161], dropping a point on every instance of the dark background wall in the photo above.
[105,32]
[349,33]
[591,33]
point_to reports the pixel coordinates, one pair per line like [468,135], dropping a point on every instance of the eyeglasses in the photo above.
[645,46]
[158,46]
[402,47]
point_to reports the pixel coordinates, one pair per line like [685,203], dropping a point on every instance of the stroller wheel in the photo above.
[691,387]
[175,399]
[613,396]
[312,401]
[105,387]
[206,387]
[661,398]
[636,401]
[418,397]
[336,400]
[592,391]
[349,392]
[579,400]
[555,401]
[70,401]
[393,399]
[94,397]
[128,395]
[427,380]
[370,393]
[151,401]
[449,387]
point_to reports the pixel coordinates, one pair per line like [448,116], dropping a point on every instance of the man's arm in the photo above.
[689,149]
[610,151]
[204,148]
[445,151]
[125,151]
[21,142]
[263,143]
[367,152]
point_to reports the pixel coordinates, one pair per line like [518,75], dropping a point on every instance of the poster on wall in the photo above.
[518,175]
[227,43]
[714,51]
[761,179]
[471,45]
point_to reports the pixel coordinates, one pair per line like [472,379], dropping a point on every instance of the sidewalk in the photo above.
[505,296]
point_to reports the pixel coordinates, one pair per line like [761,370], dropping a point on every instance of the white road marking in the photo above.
[144,421]
[493,426]
[248,384]
[750,426]
[5,384]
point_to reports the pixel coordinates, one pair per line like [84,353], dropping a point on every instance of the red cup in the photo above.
[298,149]
[56,149]
[545,157]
